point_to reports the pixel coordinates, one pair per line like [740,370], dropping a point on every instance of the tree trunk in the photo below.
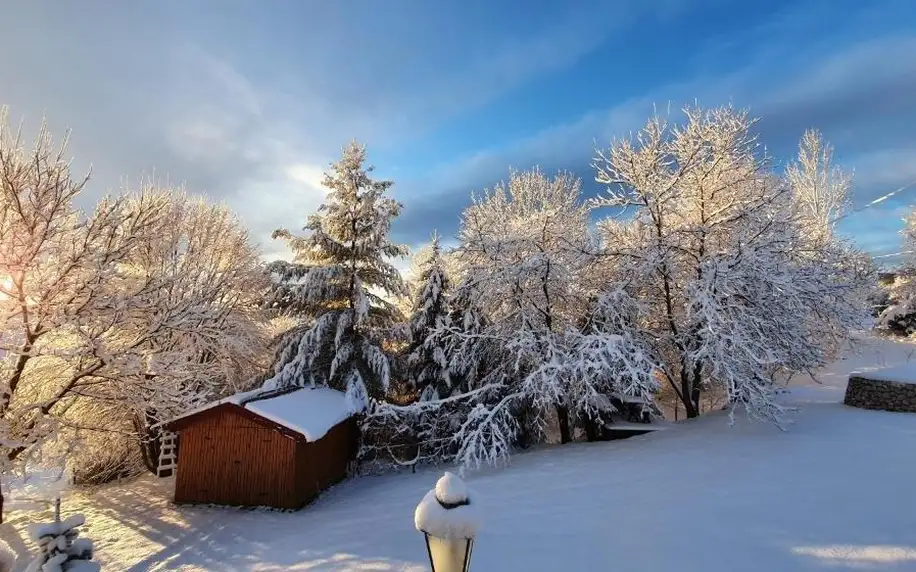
[592,429]
[695,392]
[563,419]
[686,395]
[149,440]
[523,435]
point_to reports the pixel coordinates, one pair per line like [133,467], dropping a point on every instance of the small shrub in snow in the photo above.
[60,549]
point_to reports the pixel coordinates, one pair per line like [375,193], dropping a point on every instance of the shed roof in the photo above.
[307,411]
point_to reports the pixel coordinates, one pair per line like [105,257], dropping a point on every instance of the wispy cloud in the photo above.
[846,94]
[249,105]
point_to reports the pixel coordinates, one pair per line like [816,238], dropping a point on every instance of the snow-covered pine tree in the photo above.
[470,354]
[59,549]
[427,361]
[338,283]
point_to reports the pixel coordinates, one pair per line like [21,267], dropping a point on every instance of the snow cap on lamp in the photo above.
[447,511]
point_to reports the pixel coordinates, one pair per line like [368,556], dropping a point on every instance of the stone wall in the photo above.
[877,394]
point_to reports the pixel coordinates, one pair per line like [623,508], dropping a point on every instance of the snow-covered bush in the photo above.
[60,549]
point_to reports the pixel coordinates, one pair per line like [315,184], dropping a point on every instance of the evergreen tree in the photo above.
[471,355]
[339,284]
[427,361]
[59,549]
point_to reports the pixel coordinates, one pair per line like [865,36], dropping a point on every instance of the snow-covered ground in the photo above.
[835,492]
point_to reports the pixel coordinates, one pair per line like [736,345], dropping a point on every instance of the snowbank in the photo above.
[831,494]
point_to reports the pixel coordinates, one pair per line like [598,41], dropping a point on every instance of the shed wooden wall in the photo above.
[228,458]
[324,462]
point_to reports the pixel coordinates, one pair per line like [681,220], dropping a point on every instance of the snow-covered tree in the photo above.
[202,282]
[524,246]
[526,250]
[341,284]
[427,362]
[60,549]
[62,295]
[517,348]
[712,251]
[899,316]
[120,310]
[820,193]
[820,189]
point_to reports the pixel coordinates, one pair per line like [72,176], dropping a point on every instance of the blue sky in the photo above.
[248,101]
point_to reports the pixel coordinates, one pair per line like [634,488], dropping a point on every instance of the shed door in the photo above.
[258,463]
[244,465]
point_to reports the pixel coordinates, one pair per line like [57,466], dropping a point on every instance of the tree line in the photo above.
[700,269]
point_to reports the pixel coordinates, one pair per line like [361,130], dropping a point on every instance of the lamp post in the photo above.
[448,520]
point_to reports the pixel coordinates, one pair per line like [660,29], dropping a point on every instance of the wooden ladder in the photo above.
[168,458]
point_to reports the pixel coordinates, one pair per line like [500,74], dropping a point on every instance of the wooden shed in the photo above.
[277,449]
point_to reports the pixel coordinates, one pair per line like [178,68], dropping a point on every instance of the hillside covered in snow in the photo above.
[831,493]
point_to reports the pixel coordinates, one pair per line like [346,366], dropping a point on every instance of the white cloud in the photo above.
[309,175]
[789,101]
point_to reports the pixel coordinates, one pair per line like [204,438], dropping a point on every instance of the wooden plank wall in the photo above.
[227,458]
[323,463]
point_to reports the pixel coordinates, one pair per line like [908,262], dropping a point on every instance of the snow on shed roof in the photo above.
[309,411]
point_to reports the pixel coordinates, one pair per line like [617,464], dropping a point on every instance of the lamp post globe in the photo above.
[448,520]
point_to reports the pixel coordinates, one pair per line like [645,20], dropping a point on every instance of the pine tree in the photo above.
[340,283]
[470,354]
[59,549]
[427,361]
